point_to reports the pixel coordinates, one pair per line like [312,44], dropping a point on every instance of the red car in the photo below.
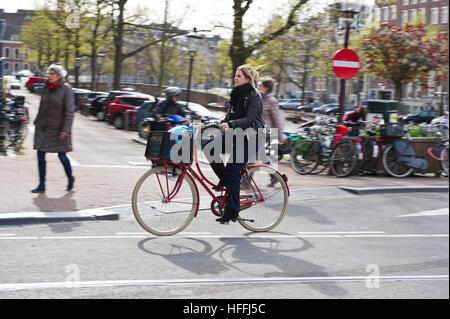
[125,105]
[32,80]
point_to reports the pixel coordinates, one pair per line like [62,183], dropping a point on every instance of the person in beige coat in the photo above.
[53,124]
[272,114]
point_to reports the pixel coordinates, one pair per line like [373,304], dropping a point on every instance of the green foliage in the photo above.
[418,131]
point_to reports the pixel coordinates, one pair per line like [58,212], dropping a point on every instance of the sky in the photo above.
[202,14]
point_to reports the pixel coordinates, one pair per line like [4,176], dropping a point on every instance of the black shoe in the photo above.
[227,216]
[39,189]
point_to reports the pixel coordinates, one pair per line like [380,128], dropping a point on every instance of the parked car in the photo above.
[290,104]
[37,87]
[112,95]
[441,120]
[15,84]
[122,104]
[86,100]
[321,109]
[309,108]
[335,109]
[33,80]
[419,117]
[97,105]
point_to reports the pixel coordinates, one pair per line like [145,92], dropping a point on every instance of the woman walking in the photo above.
[53,124]
[245,111]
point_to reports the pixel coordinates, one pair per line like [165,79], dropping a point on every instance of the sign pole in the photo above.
[342,93]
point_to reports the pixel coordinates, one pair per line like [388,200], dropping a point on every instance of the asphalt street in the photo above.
[348,246]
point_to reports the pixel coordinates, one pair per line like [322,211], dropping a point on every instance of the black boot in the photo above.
[228,215]
[39,189]
[70,184]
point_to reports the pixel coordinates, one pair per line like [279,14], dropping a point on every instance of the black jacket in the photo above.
[170,108]
[245,108]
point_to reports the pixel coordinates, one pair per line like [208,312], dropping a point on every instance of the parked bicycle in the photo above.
[357,152]
[312,155]
[400,159]
[166,198]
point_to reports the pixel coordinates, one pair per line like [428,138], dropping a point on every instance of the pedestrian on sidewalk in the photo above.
[272,114]
[53,124]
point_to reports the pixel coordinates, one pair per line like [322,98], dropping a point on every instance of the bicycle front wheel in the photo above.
[264,199]
[305,157]
[444,159]
[164,203]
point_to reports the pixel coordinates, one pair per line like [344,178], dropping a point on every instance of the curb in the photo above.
[54,217]
[396,189]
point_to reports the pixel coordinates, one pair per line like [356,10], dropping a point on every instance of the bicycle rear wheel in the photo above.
[343,159]
[444,159]
[164,204]
[392,165]
[264,199]
[305,157]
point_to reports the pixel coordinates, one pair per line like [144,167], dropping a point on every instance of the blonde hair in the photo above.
[249,73]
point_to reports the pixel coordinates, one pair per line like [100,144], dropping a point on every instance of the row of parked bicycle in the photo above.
[14,117]
[358,148]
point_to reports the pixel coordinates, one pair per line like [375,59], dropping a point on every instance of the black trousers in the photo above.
[230,174]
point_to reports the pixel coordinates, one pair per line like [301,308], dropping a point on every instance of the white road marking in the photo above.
[201,235]
[209,281]
[435,212]
[342,232]
[7,234]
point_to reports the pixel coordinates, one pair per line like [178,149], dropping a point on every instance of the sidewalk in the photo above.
[107,187]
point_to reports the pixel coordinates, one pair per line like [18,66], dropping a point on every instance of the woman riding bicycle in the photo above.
[245,111]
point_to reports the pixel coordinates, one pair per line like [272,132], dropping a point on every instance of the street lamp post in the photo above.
[99,62]
[77,70]
[349,14]
[194,42]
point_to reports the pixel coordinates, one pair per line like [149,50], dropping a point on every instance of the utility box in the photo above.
[386,108]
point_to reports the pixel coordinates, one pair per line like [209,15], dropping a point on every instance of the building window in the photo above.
[6,66]
[385,14]
[393,12]
[26,55]
[405,2]
[25,66]
[7,52]
[404,16]
[377,14]
[423,1]
[16,53]
[413,15]
[434,15]
[413,2]
[423,15]
[15,37]
[16,67]
[444,15]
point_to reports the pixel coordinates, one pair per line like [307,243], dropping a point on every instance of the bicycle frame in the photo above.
[187,169]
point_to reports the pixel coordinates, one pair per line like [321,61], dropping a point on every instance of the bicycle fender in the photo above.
[283,176]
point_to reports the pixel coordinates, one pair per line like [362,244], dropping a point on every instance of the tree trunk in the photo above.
[118,43]
[398,97]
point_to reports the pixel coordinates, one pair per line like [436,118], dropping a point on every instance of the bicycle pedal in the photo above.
[247,220]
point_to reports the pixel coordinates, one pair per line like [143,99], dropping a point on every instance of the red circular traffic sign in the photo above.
[345,64]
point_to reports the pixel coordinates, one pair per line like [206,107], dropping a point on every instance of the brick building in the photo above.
[431,13]
[15,54]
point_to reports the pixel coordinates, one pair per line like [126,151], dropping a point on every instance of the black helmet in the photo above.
[172,91]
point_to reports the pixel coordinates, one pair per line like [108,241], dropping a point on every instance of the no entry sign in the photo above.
[345,64]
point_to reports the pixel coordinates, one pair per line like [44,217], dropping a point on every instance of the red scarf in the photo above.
[52,86]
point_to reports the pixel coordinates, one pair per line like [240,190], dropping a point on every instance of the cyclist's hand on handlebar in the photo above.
[224,126]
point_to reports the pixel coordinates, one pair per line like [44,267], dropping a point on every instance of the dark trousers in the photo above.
[42,165]
[230,175]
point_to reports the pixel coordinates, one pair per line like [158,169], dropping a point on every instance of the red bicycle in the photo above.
[166,198]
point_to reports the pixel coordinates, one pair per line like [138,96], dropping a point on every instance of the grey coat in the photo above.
[56,112]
